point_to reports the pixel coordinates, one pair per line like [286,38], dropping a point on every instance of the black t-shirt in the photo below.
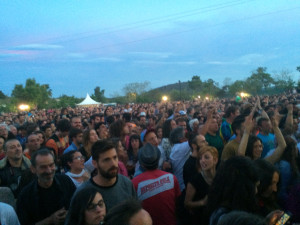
[50,200]
[189,169]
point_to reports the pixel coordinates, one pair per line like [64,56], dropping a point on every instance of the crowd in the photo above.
[225,161]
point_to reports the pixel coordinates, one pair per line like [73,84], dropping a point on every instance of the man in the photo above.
[101,130]
[196,142]
[179,153]
[13,166]
[264,134]
[231,148]
[94,119]
[142,119]
[158,190]
[46,199]
[59,141]
[76,122]
[181,122]
[76,137]
[225,129]
[114,188]
[4,130]
[33,144]
[212,136]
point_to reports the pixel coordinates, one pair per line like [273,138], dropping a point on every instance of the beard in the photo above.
[110,173]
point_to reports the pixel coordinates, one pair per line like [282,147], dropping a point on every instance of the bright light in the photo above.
[165,98]
[206,98]
[243,94]
[199,96]
[23,107]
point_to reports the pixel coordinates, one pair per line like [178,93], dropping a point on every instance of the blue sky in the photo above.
[75,46]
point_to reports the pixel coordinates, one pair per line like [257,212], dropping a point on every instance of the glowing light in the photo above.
[165,98]
[199,96]
[206,98]
[23,107]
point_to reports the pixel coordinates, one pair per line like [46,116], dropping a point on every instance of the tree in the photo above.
[298,68]
[195,83]
[98,94]
[283,81]
[237,86]
[210,87]
[2,95]
[33,93]
[132,90]
[258,80]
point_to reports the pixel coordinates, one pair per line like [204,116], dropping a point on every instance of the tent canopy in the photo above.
[88,101]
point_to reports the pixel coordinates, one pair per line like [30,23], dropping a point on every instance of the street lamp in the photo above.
[165,98]
[23,107]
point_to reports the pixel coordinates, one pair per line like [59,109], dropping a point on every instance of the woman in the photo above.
[122,156]
[233,188]
[88,139]
[267,189]
[74,164]
[197,189]
[135,144]
[159,133]
[87,208]
[42,138]
[120,130]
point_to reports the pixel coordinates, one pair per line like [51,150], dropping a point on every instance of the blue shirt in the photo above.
[268,142]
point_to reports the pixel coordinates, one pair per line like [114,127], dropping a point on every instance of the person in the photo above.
[225,130]
[268,139]
[46,199]
[42,138]
[267,189]
[158,190]
[8,215]
[122,156]
[129,212]
[87,208]
[179,153]
[76,122]
[233,188]
[135,144]
[89,137]
[75,136]
[73,162]
[33,144]
[13,166]
[198,187]
[196,143]
[114,187]
[59,141]
[94,119]
[241,218]
[102,130]
[2,153]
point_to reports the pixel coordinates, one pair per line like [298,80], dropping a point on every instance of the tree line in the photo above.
[39,96]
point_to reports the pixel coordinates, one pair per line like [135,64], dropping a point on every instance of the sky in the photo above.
[75,46]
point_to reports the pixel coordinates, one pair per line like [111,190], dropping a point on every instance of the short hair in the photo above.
[261,120]
[31,127]
[63,125]
[148,131]
[127,117]
[122,213]
[8,141]
[229,110]
[43,152]
[237,123]
[97,125]
[180,119]
[205,149]
[100,147]
[74,132]
[68,158]
[176,135]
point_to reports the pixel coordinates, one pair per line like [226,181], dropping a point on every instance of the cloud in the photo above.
[38,47]
[76,55]
[149,62]
[247,59]
[163,55]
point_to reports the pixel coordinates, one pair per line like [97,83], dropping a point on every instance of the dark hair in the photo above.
[229,110]
[97,125]
[167,128]
[176,135]
[193,139]
[237,123]
[122,213]
[100,147]
[266,171]
[127,117]
[261,120]
[130,150]
[30,128]
[63,125]
[93,117]
[43,152]
[110,119]
[290,154]
[116,128]
[251,141]
[68,158]
[80,202]
[234,186]
[241,218]
[74,132]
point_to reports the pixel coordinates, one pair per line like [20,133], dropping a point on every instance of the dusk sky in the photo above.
[75,45]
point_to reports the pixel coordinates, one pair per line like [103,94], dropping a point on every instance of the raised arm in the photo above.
[276,155]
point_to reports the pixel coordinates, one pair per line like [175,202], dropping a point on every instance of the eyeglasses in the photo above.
[93,207]
[79,158]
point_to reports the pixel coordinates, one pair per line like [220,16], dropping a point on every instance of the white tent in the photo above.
[88,101]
